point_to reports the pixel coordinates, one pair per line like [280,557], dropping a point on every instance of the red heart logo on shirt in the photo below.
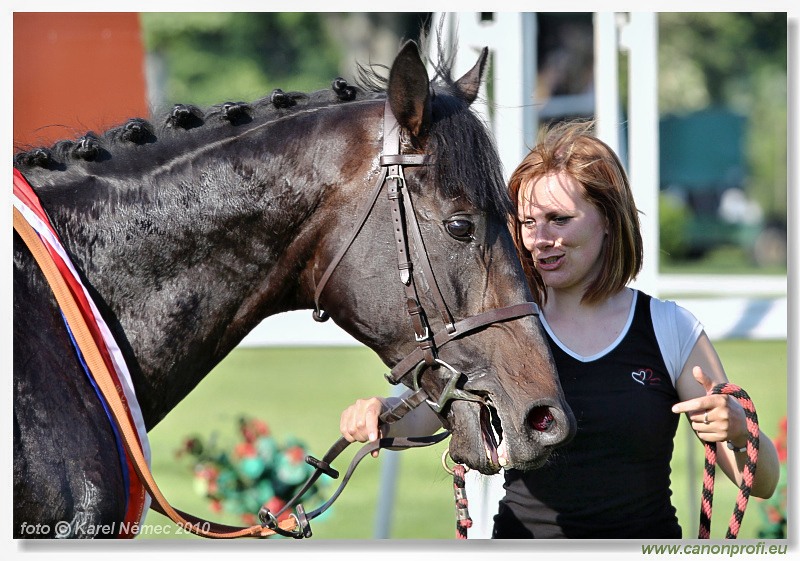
[645,376]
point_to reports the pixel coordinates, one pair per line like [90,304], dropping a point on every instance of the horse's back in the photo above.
[66,467]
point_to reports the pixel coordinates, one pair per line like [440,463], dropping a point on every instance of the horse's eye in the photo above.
[460,228]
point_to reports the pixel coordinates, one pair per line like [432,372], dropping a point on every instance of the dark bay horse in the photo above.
[187,234]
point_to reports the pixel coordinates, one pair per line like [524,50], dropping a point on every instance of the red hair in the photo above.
[571,148]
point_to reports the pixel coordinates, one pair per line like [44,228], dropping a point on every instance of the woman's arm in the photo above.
[726,419]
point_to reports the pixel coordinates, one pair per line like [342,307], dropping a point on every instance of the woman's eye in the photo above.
[561,219]
[460,228]
[529,224]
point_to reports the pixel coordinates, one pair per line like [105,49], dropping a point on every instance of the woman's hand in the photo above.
[359,422]
[714,417]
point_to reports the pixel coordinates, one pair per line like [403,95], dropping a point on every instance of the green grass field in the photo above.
[301,391]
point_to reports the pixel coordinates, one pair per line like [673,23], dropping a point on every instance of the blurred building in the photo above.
[75,72]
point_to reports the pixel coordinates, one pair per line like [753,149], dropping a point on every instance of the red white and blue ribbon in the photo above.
[138,500]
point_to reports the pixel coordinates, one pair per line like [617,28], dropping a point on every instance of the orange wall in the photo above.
[75,72]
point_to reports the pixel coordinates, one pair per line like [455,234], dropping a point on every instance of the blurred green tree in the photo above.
[206,58]
[735,60]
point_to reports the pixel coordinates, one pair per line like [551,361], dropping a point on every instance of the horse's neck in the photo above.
[187,268]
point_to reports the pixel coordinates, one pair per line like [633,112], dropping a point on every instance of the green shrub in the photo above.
[673,223]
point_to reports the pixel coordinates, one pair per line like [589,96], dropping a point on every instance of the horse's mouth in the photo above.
[492,436]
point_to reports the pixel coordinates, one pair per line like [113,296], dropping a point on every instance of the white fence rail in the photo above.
[730,307]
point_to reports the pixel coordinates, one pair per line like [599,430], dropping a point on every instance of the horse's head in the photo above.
[451,319]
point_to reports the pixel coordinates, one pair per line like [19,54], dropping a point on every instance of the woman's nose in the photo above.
[542,237]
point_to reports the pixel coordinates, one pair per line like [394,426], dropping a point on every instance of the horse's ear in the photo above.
[469,84]
[409,90]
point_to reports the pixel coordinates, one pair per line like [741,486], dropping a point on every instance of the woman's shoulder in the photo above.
[671,313]
[676,329]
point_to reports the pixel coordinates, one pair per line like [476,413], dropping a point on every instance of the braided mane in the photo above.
[181,120]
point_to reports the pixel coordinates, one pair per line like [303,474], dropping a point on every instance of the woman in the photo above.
[628,363]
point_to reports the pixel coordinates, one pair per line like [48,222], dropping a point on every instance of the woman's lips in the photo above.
[549,263]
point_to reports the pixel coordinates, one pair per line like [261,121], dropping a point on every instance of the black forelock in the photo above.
[467,162]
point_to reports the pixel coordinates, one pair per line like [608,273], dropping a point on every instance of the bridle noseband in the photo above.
[404,219]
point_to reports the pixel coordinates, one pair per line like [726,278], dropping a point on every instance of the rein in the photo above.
[748,474]
[323,466]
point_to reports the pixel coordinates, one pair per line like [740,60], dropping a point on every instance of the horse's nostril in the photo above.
[541,419]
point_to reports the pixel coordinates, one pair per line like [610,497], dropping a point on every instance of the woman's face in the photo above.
[564,232]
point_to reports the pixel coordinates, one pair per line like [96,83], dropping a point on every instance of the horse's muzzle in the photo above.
[524,443]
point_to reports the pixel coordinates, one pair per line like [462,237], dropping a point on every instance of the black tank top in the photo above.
[613,479]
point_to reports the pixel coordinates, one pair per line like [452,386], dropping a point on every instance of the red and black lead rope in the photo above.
[458,471]
[748,474]
[463,520]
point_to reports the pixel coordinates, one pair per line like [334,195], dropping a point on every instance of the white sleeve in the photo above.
[485,492]
[677,331]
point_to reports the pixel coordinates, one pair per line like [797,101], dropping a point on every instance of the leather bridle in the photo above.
[404,219]
[425,355]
